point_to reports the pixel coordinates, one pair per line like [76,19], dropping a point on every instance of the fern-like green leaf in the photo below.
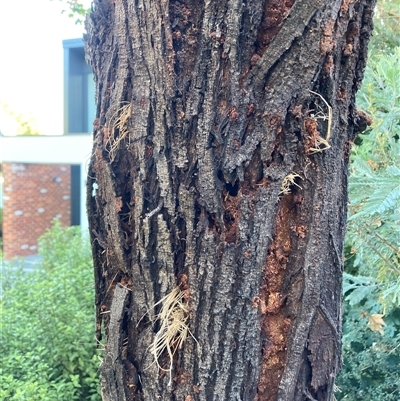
[378,193]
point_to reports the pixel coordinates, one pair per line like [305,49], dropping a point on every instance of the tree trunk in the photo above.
[217,193]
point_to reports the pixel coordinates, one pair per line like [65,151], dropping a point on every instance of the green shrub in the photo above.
[370,360]
[47,345]
[374,185]
[386,35]
[371,354]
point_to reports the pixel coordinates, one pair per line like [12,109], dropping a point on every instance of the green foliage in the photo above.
[47,345]
[386,35]
[75,9]
[372,280]
[370,361]
[374,186]
[379,96]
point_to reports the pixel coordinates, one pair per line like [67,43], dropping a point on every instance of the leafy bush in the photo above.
[370,360]
[47,344]
[386,35]
[371,329]
[374,185]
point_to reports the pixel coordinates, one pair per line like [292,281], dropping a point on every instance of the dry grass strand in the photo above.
[322,144]
[288,182]
[173,331]
[117,126]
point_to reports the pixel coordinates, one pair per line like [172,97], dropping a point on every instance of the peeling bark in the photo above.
[203,109]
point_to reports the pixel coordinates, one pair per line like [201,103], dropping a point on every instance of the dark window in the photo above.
[75,195]
[79,107]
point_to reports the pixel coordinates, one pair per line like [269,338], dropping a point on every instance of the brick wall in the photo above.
[34,194]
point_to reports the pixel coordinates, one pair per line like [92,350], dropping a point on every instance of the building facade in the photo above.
[45,176]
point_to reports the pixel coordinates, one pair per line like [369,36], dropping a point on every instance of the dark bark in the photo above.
[209,178]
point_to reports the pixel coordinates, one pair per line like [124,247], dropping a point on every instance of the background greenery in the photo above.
[47,346]
[371,353]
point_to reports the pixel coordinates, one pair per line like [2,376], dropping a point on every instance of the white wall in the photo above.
[68,149]
[31,68]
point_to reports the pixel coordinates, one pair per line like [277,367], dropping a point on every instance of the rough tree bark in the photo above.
[219,173]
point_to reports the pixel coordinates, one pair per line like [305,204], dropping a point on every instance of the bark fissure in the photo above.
[214,111]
